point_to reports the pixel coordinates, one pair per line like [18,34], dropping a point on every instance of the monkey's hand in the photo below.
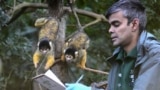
[63,57]
[36,58]
[50,61]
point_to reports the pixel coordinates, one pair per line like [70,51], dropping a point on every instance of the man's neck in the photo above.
[129,47]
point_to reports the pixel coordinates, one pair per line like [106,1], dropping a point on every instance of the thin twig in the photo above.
[77,19]
[96,71]
[33,6]
[91,23]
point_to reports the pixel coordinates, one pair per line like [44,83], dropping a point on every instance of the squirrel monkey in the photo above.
[47,37]
[75,49]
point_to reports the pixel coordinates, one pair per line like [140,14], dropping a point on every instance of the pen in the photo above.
[80,78]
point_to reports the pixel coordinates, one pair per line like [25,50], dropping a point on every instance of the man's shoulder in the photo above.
[149,41]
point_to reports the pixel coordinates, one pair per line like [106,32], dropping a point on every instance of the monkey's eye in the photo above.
[68,57]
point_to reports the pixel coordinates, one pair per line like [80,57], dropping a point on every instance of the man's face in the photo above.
[120,30]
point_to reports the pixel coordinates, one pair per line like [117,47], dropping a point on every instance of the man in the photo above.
[136,61]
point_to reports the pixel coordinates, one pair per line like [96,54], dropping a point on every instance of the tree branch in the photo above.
[25,7]
[30,7]
[96,71]
[93,22]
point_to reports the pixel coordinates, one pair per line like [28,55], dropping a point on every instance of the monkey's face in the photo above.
[69,57]
[71,54]
[44,46]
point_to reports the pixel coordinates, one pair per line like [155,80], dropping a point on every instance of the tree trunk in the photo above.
[61,69]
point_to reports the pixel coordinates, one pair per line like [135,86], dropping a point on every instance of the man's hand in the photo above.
[77,86]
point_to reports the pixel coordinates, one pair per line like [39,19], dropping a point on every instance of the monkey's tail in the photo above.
[96,71]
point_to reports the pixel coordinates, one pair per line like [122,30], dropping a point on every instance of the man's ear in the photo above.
[135,24]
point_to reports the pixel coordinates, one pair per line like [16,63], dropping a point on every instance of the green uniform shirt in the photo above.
[125,75]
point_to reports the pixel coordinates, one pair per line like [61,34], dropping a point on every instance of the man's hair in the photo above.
[131,9]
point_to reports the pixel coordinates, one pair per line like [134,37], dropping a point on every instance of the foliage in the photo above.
[3,18]
[16,49]
[18,40]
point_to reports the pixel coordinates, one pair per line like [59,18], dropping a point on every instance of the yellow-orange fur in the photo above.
[36,59]
[50,61]
[48,31]
[82,59]
[80,41]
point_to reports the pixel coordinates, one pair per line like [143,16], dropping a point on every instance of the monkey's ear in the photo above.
[40,22]
[38,44]
[64,50]
[76,53]
[50,43]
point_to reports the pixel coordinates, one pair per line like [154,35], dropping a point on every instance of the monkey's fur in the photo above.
[75,49]
[47,37]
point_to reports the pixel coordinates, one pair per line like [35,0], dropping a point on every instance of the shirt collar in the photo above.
[131,54]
